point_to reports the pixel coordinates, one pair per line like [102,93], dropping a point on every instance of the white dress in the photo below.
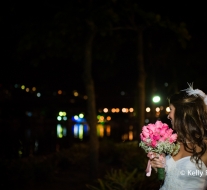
[183,175]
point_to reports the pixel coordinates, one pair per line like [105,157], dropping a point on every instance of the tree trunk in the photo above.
[91,103]
[140,94]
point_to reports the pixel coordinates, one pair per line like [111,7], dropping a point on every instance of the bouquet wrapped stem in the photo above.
[161,173]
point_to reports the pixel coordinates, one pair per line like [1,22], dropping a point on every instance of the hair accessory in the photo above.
[190,91]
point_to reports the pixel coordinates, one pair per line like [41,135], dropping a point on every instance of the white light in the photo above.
[105,110]
[156,99]
[38,94]
[123,110]
[59,118]
[157,109]
[167,109]
[76,117]
[148,109]
[81,115]
[65,118]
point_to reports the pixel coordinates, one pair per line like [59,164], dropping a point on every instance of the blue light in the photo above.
[77,119]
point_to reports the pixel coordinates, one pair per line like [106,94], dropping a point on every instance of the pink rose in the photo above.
[165,126]
[151,136]
[156,137]
[145,129]
[158,124]
[173,138]
[145,134]
[143,138]
[166,136]
[153,143]
[162,131]
[151,127]
[169,132]
[162,139]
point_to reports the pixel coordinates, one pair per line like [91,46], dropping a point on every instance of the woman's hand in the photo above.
[157,161]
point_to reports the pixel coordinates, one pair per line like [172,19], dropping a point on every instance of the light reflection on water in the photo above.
[80,131]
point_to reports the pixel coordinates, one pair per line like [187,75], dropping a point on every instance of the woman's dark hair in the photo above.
[190,123]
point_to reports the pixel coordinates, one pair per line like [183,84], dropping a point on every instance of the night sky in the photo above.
[35,54]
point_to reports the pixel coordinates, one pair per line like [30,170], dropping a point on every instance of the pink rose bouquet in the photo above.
[158,138]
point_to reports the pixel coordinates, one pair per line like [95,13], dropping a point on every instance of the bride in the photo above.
[187,169]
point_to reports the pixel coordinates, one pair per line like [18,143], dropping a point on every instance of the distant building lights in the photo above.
[117,110]
[75,93]
[27,89]
[146,120]
[131,109]
[148,109]
[101,119]
[60,92]
[33,89]
[85,97]
[64,113]
[16,86]
[22,87]
[113,110]
[65,118]
[76,117]
[167,109]
[38,94]
[123,110]
[59,118]
[81,115]
[108,118]
[105,110]
[166,84]
[156,99]
[60,113]
[157,109]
